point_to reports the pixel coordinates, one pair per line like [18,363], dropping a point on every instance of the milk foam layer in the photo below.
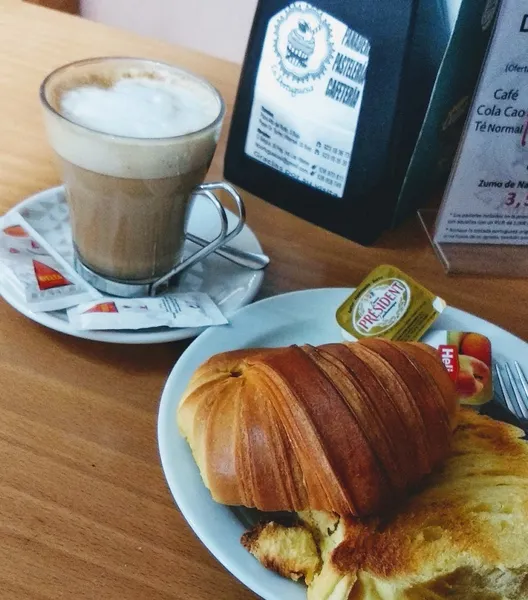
[139,107]
[135,144]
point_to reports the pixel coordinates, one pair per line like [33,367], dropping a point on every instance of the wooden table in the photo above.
[84,509]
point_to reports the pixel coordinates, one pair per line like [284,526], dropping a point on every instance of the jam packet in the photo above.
[467,358]
[34,272]
[388,304]
[190,309]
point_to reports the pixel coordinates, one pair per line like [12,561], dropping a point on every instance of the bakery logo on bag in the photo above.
[381,306]
[303,46]
[47,277]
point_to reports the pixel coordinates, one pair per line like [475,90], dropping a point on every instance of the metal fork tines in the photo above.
[515,393]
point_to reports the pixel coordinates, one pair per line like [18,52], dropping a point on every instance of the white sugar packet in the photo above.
[189,309]
[34,272]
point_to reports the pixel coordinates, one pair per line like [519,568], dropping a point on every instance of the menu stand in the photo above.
[475,259]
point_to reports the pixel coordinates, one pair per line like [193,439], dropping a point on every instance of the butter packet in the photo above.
[34,272]
[189,309]
[388,304]
[467,358]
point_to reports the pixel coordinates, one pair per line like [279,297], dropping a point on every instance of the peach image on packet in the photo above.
[34,272]
[389,304]
[467,358]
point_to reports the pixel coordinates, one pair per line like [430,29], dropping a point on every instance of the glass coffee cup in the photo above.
[134,139]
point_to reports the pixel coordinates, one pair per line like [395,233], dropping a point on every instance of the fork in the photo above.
[515,393]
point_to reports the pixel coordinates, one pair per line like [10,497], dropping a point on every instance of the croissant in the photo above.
[344,427]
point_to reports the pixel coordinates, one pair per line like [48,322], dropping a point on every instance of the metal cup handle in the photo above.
[224,236]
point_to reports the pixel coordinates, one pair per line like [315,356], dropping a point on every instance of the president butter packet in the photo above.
[389,304]
[467,358]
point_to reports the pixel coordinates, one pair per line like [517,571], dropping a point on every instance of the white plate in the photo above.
[295,318]
[230,285]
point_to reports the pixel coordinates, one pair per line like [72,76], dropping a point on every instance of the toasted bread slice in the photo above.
[463,536]
[291,550]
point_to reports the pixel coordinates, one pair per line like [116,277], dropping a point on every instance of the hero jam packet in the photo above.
[32,270]
[389,304]
[467,358]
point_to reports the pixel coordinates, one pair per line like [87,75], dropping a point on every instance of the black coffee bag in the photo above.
[330,103]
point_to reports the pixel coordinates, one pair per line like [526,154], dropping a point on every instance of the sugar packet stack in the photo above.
[38,276]
[34,272]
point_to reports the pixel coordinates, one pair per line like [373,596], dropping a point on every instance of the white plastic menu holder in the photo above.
[482,224]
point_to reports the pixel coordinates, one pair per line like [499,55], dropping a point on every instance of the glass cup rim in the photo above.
[145,140]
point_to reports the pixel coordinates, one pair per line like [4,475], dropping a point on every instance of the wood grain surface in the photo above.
[84,509]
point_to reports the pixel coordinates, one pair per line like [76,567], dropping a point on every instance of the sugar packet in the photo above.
[34,272]
[189,309]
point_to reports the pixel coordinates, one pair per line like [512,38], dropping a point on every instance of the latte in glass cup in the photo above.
[134,138]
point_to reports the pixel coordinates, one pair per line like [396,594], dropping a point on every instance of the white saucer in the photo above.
[230,285]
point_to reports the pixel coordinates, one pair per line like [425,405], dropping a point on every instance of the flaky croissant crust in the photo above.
[342,427]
